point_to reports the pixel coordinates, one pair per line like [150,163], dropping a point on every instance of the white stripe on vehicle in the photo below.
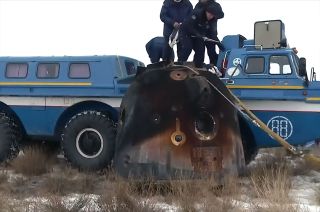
[256,105]
[289,106]
[55,101]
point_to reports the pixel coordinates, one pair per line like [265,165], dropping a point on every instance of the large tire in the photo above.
[88,140]
[9,136]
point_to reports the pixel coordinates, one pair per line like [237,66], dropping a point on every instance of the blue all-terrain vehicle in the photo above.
[75,100]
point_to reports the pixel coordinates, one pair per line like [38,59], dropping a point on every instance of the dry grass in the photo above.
[57,204]
[223,200]
[12,187]
[271,181]
[3,201]
[119,201]
[271,185]
[3,177]
[187,195]
[205,195]
[125,196]
[306,165]
[64,183]
[17,187]
[317,195]
[280,208]
[50,204]
[265,189]
[35,161]
[295,164]
[8,205]
[58,185]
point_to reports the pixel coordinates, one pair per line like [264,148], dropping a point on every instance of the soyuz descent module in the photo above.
[177,122]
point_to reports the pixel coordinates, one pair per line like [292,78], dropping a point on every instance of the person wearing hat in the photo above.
[172,14]
[210,46]
[198,28]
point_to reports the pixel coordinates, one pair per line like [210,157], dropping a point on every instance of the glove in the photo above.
[176,25]
[205,39]
[173,38]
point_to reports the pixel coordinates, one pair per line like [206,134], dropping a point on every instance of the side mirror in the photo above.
[303,70]
[313,76]
[302,67]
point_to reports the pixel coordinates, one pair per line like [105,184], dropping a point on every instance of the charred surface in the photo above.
[174,124]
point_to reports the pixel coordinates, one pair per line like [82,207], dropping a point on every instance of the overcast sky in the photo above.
[102,27]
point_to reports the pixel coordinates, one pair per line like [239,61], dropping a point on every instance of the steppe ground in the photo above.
[41,180]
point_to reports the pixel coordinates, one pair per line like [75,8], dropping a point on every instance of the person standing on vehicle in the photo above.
[194,32]
[154,49]
[172,14]
[213,32]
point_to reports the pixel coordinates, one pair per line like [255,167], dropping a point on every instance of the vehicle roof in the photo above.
[58,58]
[264,51]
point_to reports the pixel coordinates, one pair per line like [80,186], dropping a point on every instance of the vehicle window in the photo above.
[255,65]
[282,64]
[48,70]
[286,69]
[16,70]
[130,67]
[79,70]
[274,68]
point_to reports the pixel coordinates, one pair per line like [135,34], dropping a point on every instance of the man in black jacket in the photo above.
[173,13]
[213,34]
[194,32]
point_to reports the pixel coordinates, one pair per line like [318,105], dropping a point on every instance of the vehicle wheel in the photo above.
[9,136]
[88,140]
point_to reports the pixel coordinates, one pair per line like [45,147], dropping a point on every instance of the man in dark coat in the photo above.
[155,49]
[213,33]
[196,29]
[173,13]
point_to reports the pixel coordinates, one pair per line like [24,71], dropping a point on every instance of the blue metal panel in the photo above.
[269,94]
[304,127]
[38,121]
[233,41]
